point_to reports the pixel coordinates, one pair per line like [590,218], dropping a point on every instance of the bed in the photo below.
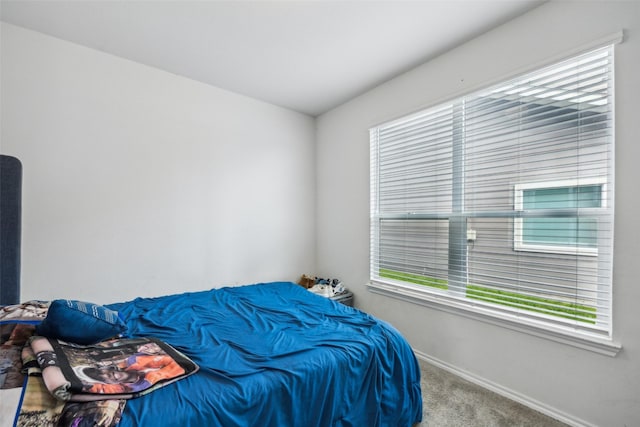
[273,354]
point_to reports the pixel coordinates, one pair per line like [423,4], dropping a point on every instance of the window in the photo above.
[547,233]
[500,202]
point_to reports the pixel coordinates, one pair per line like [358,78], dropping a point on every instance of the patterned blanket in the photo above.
[40,408]
[17,323]
[74,385]
[79,385]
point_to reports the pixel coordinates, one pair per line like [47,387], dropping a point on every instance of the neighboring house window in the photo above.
[501,202]
[547,233]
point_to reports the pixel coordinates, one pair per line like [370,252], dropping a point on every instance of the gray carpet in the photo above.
[451,401]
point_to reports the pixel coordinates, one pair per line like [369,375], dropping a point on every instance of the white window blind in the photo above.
[503,199]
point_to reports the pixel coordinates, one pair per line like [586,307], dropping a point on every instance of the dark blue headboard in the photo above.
[10,229]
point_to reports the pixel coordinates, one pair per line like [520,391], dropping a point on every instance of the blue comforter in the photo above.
[277,355]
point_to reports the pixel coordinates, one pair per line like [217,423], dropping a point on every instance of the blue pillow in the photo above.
[80,322]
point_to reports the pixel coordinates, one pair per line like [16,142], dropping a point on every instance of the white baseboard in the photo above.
[506,392]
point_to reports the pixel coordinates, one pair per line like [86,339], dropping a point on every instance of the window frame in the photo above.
[450,302]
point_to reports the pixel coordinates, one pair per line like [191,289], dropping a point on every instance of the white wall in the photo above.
[140,182]
[577,385]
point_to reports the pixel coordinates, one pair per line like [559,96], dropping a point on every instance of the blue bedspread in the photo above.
[277,355]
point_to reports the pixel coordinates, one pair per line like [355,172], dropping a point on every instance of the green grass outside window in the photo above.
[548,306]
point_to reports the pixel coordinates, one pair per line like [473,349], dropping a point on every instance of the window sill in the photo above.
[451,305]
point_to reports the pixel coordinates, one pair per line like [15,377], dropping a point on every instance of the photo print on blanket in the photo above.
[115,369]
[89,385]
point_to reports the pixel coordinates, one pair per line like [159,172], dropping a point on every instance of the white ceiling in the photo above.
[309,56]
